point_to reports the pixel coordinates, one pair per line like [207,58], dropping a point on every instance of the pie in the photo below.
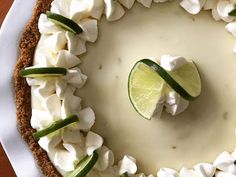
[116,34]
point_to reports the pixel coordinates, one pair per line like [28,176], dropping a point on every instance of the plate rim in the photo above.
[16,149]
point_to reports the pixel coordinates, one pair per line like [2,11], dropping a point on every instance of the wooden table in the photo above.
[5,166]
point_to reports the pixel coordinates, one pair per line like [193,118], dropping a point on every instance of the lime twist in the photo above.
[146,84]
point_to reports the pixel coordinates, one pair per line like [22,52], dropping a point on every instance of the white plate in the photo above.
[16,149]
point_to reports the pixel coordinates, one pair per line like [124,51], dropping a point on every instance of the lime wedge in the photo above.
[56,126]
[84,166]
[64,22]
[43,72]
[145,89]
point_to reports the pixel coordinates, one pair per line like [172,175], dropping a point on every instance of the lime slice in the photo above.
[147,80]
[84,166]
[64,22]
[185,80]
[43,72]
[188,77]
[56,126]
[145,88]
[124,175]
[232,12]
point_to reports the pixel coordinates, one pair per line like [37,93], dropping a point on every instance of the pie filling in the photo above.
[198,134]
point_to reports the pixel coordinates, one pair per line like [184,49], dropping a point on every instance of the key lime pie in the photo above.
[129,62]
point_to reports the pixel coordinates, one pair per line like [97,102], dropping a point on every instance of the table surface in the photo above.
[5,166]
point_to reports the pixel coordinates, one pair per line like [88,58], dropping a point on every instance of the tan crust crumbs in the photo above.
[28,43]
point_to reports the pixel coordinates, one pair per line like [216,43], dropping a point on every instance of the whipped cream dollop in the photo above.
[159,1]
[93,142]
[62,103]
[205,170]
[113,10]
[127,165]
[106,159]
[184,172]
[74,146]
[86,8]
[172,63]
[193,6]
[224,174]
[231,27]
[226,162]
[145,3]
[71,149]
[212,5]
[167,172]
[200,170]
[127,3]
[220,9]
[57,38]
[174,103]
[171,100]
[143,175]
[223,8]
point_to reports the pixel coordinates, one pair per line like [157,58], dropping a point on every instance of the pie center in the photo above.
[199,134]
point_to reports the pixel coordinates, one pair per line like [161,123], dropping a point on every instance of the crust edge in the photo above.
[27,45]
